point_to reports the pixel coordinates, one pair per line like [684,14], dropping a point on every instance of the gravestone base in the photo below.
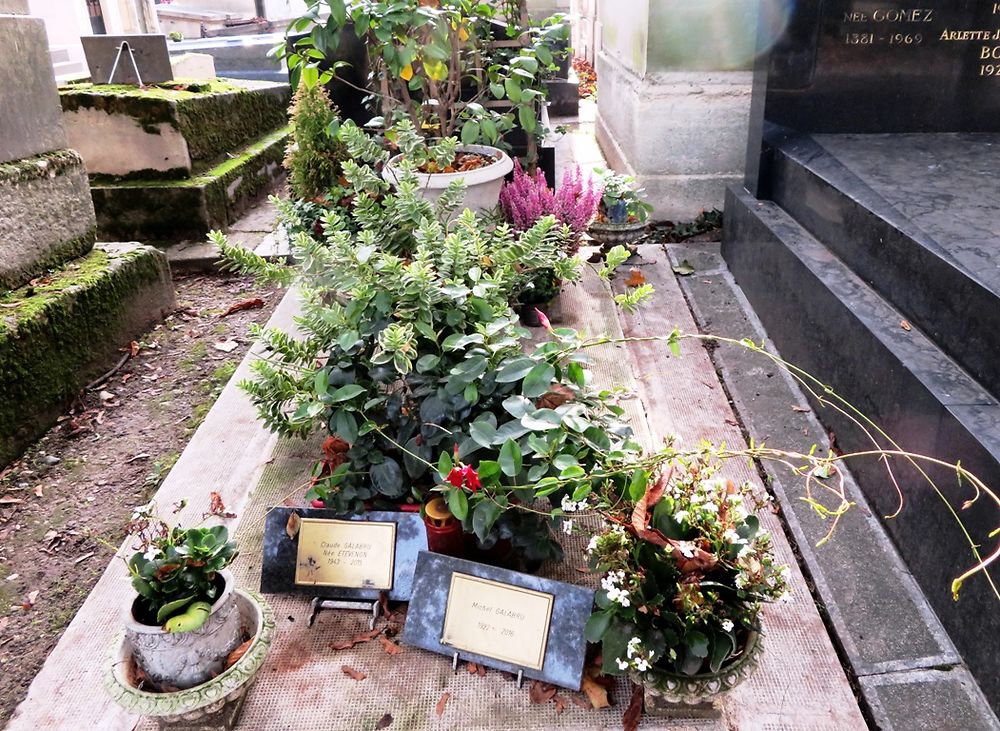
[65,330]
[167,211]
[45,215]
[656,706]
[682,135]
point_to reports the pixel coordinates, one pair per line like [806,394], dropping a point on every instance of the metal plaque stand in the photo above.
[123,47]
[319,603]
[454,667]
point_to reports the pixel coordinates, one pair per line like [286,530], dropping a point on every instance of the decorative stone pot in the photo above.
[215,704]
[676,695]
[482,186]
[612,234]
[185,659]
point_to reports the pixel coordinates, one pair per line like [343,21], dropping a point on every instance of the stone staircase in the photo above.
[874,264]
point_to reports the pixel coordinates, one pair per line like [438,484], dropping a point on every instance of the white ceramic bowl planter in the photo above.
[216,703]
[185,659]
[482,185]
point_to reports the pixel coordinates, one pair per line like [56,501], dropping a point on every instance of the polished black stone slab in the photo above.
[824,318]
[277,575]
[566,647]
[884,66]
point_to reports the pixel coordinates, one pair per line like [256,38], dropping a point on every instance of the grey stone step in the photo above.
[913,216]
[825,319]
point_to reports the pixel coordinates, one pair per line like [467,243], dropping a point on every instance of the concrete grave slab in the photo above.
[14,7]
[30,120]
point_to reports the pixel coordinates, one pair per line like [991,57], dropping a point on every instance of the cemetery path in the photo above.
[73,492]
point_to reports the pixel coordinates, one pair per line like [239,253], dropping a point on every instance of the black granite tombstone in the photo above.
[867,241]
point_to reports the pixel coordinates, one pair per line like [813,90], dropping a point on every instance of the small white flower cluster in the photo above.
[570,506]
[615,593]
[641,661]
[727,625]
[567,527]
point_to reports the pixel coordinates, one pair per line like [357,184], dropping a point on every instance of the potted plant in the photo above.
[622,214]
[480,169]
[527,199]
[192,641]
[685,573]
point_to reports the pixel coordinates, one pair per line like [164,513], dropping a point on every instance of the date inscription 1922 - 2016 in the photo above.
[903,27]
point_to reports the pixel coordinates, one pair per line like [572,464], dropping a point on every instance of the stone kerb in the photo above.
[30,117]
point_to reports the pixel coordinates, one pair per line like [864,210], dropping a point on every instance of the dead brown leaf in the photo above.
[633,714]
[352,673]
[596,693]
[10,500]
[582,702]
[30,600]
[38,491]
[540,692]
[560,703]
[635,278]
[472,668]
[800,409]
[389,646]
[292,526]
[218,508]
[356,640]
[442,702]
[251,304]
[905,325]
[239,652]
[385,721]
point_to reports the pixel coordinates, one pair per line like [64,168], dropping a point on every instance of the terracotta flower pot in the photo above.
[216,703]
[185,659]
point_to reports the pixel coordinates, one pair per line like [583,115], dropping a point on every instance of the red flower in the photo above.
[464,476]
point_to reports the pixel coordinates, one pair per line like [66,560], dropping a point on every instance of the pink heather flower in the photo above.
[528,198]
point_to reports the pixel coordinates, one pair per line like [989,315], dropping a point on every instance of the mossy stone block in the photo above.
[168,129]
[46,215]
[166,211]
[58,335]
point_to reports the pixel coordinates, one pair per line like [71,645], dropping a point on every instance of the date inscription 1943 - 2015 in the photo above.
[909,28]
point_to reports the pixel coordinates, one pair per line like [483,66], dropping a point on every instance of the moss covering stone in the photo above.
[164,211]
[59,334]
[39,167]
[215,117]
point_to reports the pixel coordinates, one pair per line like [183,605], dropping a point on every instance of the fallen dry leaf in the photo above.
[635,278]
[595,692]
[385,721]
[226,346]
[30,600]
[38,491]
[684,269]
[389,646]
[800,409]
[438,709]
[540,692]
[239,652]
[292,526]
[9,500]
[133,348]
[251,304]
[218,508]
[582,702]
[905,325]
[356,640]
[633,714]
[352,673]
[560,703]
[472,668]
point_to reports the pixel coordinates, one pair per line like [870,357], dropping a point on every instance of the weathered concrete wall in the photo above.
[117,144]
[674,98]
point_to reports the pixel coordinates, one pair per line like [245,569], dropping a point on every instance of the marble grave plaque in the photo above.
[499,618]
[344,557]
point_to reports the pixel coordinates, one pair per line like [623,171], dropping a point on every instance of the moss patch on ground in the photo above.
[174,210]
[56,335]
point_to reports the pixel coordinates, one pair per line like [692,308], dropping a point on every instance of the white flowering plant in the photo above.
[686,568]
